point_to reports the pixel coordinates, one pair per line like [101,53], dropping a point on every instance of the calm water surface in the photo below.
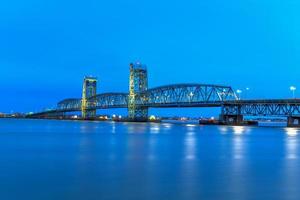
[41,160]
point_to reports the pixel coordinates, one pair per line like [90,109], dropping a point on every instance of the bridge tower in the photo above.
[138,82]
[89,89]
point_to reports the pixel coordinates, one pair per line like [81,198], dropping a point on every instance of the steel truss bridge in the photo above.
[140,98]
[180,95]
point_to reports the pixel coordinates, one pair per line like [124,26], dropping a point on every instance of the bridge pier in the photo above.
[231,115]
[293,121]
[232,119]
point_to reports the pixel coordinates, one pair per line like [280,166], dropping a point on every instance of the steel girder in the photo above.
[288,107]
[186,95]
[109,100]
[100,101]
[69,104]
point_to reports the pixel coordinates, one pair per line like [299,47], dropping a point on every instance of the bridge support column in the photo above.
[231,119]
[231,115]
[138,83]
[89,90]
[293,121]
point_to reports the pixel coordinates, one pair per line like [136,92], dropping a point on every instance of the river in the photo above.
[48,159]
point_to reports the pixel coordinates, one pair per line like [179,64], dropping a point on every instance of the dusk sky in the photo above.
[47,47]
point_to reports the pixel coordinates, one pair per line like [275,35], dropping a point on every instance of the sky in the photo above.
[48,46]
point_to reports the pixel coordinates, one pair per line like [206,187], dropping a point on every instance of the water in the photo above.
[41,160]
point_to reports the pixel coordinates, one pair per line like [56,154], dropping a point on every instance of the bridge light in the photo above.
[191,94]
[293,89]
[239,93]
[246,94]
[152,118]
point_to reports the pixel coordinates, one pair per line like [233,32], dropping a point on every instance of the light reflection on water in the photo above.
[166,125]
[113,127]
[238,148]
[223,129]
[291,143]
[190,143]
[155,128]
[291,131]
[291,164]
[236,130]
[107,160]
[239,130]
[292,148]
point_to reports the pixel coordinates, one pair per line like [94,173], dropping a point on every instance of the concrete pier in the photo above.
[232,119]
[293,121]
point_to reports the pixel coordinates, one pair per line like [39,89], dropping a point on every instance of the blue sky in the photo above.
[47,47]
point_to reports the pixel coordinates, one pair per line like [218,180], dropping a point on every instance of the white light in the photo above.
[191,94]
[247,88]
[152,117]
[239,94]
[113,115]
[238,130]
[293,88]
[190,125]
[291,131]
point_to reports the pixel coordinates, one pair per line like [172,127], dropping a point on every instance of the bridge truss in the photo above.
[273,107]
[179,95]
[186,95]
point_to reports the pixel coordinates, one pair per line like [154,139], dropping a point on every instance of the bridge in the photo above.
[140,98]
